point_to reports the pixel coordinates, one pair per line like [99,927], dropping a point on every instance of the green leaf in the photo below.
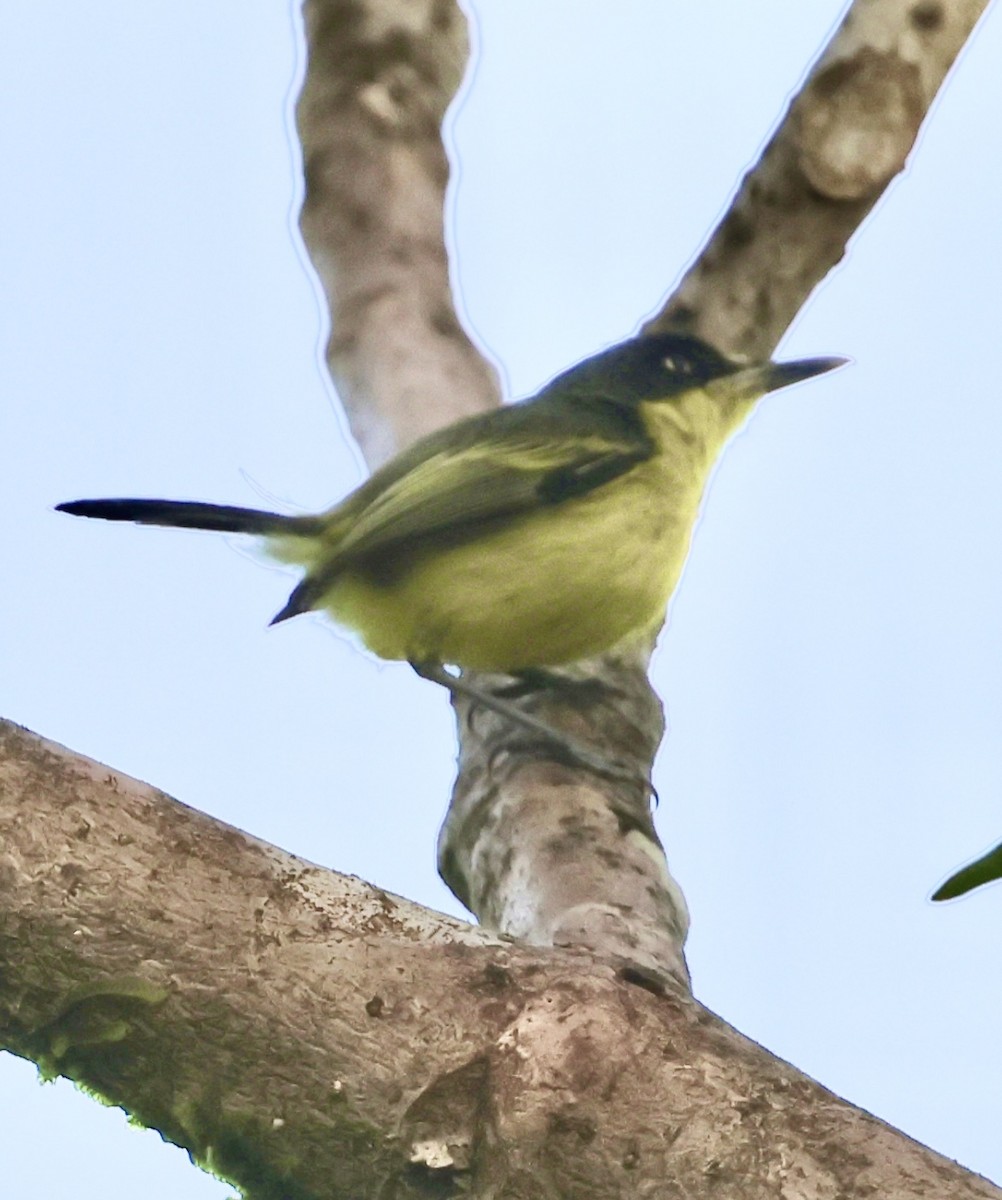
[982,870]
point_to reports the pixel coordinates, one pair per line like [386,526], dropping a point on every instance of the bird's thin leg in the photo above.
[573,749]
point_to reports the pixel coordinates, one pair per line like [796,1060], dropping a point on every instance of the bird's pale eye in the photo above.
[680,366]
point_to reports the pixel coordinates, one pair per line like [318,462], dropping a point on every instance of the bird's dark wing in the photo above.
[454,491]
[454,483]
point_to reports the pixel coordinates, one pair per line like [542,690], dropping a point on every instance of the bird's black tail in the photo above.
[185,514]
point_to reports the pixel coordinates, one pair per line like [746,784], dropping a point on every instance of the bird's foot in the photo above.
[563,746]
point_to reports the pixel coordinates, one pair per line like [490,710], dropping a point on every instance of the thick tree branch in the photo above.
[307,1035]
[843,140]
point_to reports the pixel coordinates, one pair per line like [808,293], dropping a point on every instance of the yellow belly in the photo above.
[563,583]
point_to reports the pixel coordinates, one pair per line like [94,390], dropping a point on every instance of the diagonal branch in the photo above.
[306,1035]
[845,137]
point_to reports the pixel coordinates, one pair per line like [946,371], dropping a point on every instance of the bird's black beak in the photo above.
[783,374]
[748,383]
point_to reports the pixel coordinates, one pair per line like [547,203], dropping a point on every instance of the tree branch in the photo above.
[380,76]
[307,1035]
[842,142]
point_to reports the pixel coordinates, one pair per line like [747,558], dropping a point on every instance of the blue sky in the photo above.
[833,666]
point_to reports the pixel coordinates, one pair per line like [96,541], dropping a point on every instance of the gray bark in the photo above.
[379,79]
[845,137]
[307,1035]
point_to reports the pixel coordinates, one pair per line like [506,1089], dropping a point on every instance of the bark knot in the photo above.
[856,123]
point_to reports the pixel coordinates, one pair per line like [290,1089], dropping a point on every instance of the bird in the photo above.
[522,539]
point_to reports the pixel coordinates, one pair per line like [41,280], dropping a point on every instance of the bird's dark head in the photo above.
[663,365]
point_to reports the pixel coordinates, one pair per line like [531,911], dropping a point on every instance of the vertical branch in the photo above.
[534,848]
[380,77]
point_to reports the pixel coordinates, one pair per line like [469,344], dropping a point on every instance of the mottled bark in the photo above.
[307,1035]
[844,138]
[380,76]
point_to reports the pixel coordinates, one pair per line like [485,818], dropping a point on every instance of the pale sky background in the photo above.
[833,668]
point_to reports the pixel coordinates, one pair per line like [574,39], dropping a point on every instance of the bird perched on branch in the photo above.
[523,538]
